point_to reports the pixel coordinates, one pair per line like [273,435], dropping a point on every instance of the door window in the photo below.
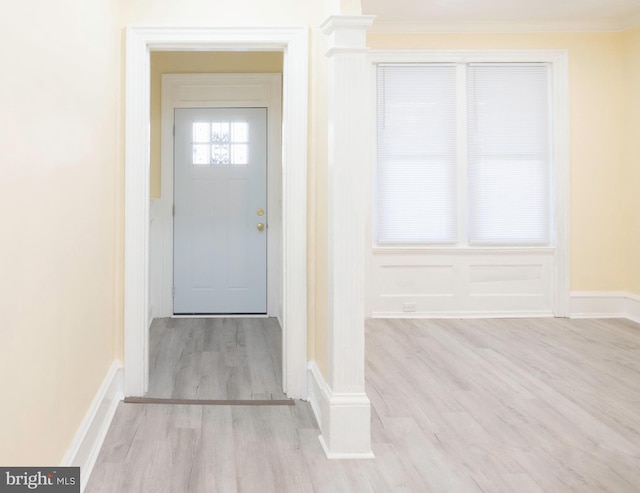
[217,143]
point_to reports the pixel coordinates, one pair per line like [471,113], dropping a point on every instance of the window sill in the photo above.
[458,250]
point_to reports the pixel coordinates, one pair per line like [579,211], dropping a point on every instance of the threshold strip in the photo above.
[209,402]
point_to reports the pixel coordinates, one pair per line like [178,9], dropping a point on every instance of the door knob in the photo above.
[260,212]
[260,226]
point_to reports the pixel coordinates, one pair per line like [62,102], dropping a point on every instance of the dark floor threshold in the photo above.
[208,402]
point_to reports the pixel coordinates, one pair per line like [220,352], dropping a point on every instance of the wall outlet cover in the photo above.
[409,307]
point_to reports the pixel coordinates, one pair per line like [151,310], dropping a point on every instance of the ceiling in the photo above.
[503,15]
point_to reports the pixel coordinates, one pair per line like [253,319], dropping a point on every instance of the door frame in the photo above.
[293,42]
[232,91]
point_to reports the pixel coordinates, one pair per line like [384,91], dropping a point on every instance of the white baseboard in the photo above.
[344,419]
[605,304]
[86,444]
[315,391]
[463,315]
[633,307]
[584,304]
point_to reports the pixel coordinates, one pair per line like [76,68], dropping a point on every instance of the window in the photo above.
[220,143]
[464,154]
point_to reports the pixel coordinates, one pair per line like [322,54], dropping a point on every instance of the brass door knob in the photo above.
[260,226]
[260,212]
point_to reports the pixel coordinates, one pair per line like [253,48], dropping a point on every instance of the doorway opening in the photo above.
[216,213]
[216,227]
[293,43]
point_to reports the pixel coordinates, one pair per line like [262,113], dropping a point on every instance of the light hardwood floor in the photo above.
[215,358]
[512,406]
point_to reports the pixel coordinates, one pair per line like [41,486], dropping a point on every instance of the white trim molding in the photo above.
[88,440]
[293,42]
[467,315]
[506,27]
[156,229]
[605,304]
[343,418]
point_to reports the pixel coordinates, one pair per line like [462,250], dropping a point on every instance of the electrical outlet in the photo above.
[409,307]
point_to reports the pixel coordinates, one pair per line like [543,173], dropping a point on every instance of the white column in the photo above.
[346,428]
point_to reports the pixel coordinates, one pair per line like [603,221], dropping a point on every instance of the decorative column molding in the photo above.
[346,425]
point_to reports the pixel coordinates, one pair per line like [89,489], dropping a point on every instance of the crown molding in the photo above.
[358,22]
[506,27]
[630,22]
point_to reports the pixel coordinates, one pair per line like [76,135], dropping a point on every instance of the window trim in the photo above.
[558,62]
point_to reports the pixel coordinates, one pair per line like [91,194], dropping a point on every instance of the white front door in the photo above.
[220,216]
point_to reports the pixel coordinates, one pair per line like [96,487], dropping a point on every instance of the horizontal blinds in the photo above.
[416,175]
[509,164]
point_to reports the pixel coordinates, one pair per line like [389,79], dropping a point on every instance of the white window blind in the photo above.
[416,175]
[495,179]
[509,158]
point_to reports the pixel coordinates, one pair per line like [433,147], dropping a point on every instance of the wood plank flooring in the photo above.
[215,359]
[514,406]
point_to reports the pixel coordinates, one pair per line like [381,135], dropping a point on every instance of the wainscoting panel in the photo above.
[471,282]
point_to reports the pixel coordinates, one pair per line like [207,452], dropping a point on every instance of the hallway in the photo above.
[215,358]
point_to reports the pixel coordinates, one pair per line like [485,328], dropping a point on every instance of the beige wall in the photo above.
[58,123]
[317,261]
[197,62]
[236,13]
[597,110]
[632,175]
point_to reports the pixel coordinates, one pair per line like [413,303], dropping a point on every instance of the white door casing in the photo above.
[220,217]
[293,41]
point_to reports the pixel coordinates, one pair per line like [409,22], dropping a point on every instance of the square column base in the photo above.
[344,419]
